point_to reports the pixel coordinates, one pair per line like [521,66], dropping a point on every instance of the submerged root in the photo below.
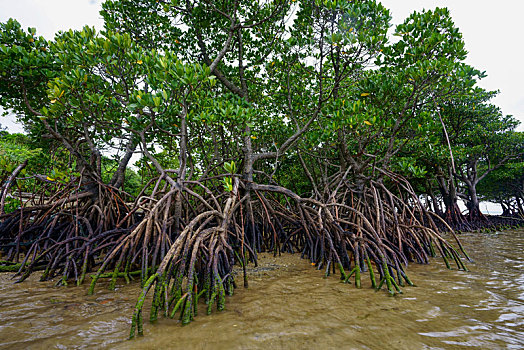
[66,236]
[378,233]
[199,261]
[183,241]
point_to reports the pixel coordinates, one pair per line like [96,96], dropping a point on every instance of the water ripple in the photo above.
[294,307]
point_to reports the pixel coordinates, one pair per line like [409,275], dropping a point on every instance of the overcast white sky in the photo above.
[492,32]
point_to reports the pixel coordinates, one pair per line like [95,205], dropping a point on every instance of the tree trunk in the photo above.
[119,176]
[474,212]
[505,209]
[520,206]
[7,185]
[435,203]
[452,215]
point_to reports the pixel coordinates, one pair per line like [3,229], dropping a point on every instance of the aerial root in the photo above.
[183,241]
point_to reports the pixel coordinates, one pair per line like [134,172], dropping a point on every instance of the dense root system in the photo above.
[65,235]
[182,240]
[455,220]
[374,231]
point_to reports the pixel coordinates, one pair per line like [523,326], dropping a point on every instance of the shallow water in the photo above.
[289,305]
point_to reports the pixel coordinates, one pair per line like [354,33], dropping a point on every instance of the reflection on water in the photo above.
[289,305]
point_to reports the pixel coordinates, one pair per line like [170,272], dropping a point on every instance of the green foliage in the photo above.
[26,65]
[11,204]
[406,166]
[14,149]
[133,183]
[505,183]
[230,167]
[326,75]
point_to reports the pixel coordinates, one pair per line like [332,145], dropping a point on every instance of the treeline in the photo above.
[298,126]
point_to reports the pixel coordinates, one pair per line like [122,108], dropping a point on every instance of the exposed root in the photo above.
[183,241]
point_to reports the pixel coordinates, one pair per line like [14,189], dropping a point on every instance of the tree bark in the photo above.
[452,215]
[7,185]
[118,177]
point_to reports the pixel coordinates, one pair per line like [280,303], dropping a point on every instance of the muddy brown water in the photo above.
[289,305]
